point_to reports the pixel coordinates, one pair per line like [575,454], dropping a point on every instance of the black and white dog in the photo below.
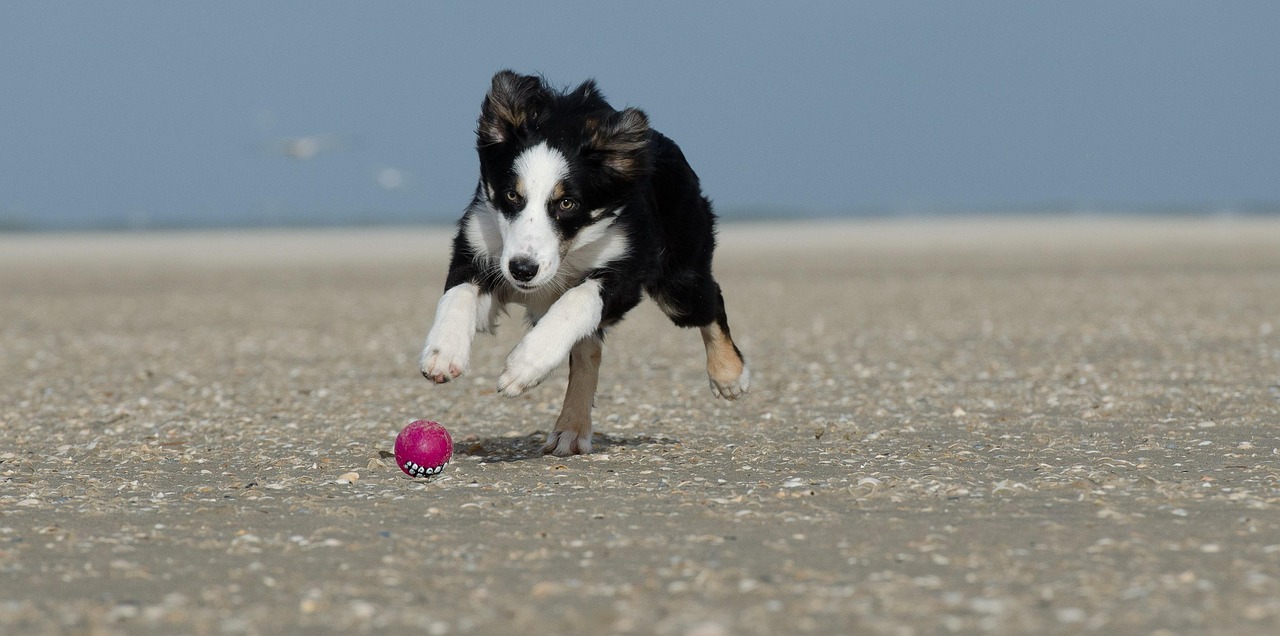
[580,208]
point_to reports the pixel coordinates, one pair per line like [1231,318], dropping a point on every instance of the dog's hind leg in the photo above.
[727,369]
[572,433]
[693,299]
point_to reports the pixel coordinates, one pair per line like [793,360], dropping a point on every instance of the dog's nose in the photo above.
[523,269]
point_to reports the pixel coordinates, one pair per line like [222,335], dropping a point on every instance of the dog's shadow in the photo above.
[492,450]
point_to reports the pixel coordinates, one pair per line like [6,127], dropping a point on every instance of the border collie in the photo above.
[580,209]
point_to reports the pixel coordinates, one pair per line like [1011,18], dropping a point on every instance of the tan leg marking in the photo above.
[729,375]
[572,433]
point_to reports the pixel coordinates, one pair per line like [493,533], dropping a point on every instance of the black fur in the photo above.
[581,210]
[577,198]
[616,161]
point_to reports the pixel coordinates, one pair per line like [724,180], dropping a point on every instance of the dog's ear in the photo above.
[587,93]
[622,139]
[513,102]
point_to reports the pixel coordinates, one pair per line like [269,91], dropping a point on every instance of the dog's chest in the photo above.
[535,304]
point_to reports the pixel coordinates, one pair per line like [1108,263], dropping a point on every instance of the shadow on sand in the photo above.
[519,448]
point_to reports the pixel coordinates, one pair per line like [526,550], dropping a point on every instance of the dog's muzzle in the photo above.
[522,268]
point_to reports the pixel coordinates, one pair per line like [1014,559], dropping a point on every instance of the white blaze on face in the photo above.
[531,233]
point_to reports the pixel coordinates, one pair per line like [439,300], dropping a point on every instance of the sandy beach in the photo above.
[997,425]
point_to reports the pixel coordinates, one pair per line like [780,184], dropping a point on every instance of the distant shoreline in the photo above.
[867,236]
[19,224]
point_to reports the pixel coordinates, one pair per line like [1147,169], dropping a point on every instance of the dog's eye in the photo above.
[567,205]
[512,196]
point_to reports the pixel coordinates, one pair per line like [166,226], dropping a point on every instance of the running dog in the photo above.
[580,209]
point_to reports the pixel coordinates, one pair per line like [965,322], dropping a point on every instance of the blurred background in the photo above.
[149,115]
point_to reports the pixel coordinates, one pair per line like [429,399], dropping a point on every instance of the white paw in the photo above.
[525,369]
[448,347]
[734,389]
[567,443]
[444,360]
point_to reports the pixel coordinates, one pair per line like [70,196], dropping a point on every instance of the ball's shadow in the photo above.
[525,447]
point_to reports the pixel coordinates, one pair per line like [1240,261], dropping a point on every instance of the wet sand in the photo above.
[972,425]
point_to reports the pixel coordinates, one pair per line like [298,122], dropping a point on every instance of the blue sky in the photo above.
[147,112]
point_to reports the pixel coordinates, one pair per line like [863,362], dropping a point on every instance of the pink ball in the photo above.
[423,448]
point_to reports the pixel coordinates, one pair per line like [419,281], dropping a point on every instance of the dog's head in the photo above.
[556,169]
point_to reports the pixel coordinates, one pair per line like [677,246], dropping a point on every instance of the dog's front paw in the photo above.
[732,388]
[525,370]
[444,361]
[568,443]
